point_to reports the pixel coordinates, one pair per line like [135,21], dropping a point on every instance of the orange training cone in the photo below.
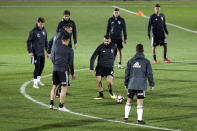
[140,13]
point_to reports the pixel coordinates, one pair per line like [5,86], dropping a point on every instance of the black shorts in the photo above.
[118,42]
[104,71]
[139,93]
[60,78]
[159,41]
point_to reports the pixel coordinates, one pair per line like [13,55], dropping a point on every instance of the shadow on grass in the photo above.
[171,118]
[67,124]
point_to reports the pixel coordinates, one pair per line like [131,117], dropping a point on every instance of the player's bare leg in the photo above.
[110,84]
[53,92]
[140,111]
[99,87]
[120,58]
[63,93]
[127,109]
[165,53]
[154,54]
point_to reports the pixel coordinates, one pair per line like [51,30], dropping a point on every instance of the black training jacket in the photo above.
[62,23]
[106,56]
[37,41]
[137,71]
[115,27]
[59,34]
[158,24]
[62,56]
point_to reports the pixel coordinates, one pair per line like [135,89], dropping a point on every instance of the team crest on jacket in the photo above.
[43,33]
[162,18]
[38,35]
[112,50]
[119,22]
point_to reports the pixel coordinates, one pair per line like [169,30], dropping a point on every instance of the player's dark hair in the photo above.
[41,19]
[68,25]
[66,12]
[65,37]
[106,36]
[116,9]
[157,5]
[139,48]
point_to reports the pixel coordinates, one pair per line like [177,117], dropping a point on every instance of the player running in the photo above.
[62,57]
[115,26]
[106,53]
[136,73]
[36,44]
[159,31]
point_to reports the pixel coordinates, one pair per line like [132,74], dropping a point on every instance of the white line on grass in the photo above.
[23,87]
[177,26]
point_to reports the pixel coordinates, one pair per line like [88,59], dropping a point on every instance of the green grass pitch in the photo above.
[171,105]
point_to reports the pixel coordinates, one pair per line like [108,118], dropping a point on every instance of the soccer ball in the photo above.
[119,99]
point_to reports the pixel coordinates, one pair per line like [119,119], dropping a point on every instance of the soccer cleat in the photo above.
[51,107]
[125,119]
[112,96]
[141,122]
[99,97]
[119,66]
[63,109]
[166,60]
[35,85]
[40,83]
[155,61]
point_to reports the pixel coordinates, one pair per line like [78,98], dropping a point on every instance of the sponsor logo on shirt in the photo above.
[137,65]
[38,35]
[103,50]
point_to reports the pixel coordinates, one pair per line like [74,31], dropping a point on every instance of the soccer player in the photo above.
[159,31]
[106,53]
[66,30]
[115,26]
[136,73]
[66,20]
[62,57]
[36,44]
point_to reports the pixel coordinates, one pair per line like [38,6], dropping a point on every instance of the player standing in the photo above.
[106,53]
[66,20]
[36,43]
[159,31]
[115,26]
[136,73]
[62,57]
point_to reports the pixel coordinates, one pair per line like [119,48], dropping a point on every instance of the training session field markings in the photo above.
[23,87]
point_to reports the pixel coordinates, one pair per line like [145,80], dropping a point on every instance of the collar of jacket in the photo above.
[139,55]
[107,46]
[36,26]
[115,17]
[65,20]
